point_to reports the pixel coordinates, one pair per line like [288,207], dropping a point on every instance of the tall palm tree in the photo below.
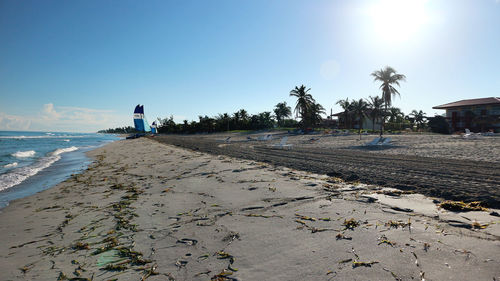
[282,110]
[376,104]
[389,77]
[345,104]
[304,101]
[359,109]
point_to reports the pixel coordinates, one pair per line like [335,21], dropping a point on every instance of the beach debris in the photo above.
[426,246]
[222,276]
[395,224]
[231,236]
[80,246]
[202,273]
[187,241]
[61,276]
[301,222]
[416,259]
[48,208]
[26,268]
[460,206]
[406,210]
[496,214]
[168,189]
[350,224]
[392,274]
[341,236]
[263,216]
[149,272]
[363,263]
[330,272]
[272,188]
[395,193]
[252,208]
[302,217]
[181,263]
[115,267]
[477,225]
[345,261]
[223,255]
[203,257]
[232,268]
[385,241]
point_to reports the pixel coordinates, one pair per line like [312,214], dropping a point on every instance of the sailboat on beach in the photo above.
[141,124]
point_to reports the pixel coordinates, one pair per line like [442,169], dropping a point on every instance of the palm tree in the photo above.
[345,104]
[418,118]
[389,77]
[359,109]
[376,109]
[282,111]
[315,112]
[395,114]
[304,101]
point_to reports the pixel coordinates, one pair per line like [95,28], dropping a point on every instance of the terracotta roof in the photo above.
[460,103]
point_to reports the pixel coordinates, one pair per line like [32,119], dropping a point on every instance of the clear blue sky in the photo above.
[84,65]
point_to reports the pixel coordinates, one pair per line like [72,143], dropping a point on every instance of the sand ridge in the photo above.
[166,213]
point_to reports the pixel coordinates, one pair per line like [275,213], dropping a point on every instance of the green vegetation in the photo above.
[122,130]
[377,108]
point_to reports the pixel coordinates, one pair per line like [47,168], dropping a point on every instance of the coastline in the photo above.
[72,162]
[164,212]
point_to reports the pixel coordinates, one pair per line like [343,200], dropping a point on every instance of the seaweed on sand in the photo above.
[115,267]
[460,206]
[363,263]
[350,224]
[222,276]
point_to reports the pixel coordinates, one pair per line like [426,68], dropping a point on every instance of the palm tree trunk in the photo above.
[360,127]
[383,121]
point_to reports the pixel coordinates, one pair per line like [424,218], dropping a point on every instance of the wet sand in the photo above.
[435,165]
[165,213]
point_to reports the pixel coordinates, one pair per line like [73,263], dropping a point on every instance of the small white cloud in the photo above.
[49,112]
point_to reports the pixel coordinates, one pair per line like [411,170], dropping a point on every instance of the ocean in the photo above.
[34,161]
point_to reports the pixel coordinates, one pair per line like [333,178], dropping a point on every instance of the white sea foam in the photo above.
[63,150]
[18,175]
[24,154]
[66,140]
[11,165]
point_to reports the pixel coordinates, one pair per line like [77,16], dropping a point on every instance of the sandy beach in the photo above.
[435,165]
[146,210]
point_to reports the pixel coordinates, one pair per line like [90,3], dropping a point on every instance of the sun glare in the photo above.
[398,20]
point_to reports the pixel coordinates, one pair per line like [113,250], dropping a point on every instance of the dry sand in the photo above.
[182,215]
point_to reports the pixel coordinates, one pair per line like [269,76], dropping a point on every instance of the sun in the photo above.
[398,20]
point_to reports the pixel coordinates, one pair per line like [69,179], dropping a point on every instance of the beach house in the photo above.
[478,115]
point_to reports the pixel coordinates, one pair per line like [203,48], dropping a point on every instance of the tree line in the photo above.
[309,113]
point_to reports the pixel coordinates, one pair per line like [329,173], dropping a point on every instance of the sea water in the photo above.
[34,161]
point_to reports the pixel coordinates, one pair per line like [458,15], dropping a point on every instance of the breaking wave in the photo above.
[18,175]
[24,154]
